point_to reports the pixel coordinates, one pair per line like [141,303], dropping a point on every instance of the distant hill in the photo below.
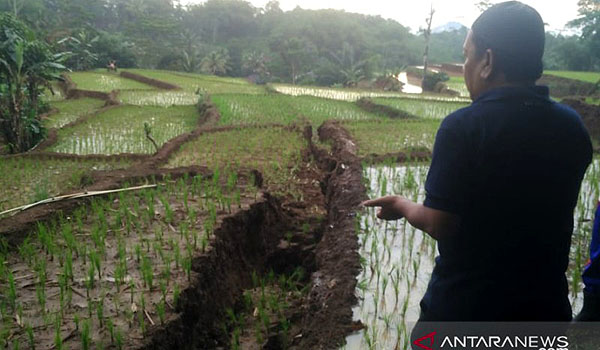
[448,27]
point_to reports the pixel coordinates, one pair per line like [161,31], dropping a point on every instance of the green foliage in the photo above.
[298,46]
[26,67]
[588,21]
[431,79]
[81,47]
[216,63]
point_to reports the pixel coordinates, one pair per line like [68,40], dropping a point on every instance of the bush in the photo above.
[432,79]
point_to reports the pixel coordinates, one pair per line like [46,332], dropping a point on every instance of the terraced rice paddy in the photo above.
[108,269]
[209,84]
[247,109]
[397,259]
[105,272]
[275,152]
[71,110]
[590,77]
[121,130]
[422,108]
[158,98]
[26,180]
[354,95]
[105,82]
[392,136]
[458,84]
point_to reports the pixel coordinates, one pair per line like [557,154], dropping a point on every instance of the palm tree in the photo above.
[216,62]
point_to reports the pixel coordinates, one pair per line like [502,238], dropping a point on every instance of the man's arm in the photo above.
[437,223]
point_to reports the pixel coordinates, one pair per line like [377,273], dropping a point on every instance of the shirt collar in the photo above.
[507,92]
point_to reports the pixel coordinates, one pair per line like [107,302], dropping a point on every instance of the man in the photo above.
[591,277]
[503,183]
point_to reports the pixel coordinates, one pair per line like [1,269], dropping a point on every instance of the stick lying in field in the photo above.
[75,196]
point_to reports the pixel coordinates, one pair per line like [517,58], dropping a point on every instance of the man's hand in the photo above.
[437,223]
[391,207]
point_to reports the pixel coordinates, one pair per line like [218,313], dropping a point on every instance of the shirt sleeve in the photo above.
[446,180]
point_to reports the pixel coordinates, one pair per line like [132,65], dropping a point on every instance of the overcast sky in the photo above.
[412,13]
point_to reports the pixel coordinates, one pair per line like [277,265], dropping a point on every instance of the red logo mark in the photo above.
[428,336]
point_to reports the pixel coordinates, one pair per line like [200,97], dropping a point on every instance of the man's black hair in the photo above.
[515,34]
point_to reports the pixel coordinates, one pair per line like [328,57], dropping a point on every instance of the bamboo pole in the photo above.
[75,196]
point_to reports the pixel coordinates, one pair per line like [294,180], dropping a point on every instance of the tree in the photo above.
[16,6]
[81,47]
[216,62]
[26,67]
[483,5]
[427,35]
[190,61]
[255,63]
[296,52]
[589,24]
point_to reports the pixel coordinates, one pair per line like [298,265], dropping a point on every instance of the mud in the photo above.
[244,243]
[328,317]
[149,81]
[370,106]
[590,115]
[70,90]
[563,87]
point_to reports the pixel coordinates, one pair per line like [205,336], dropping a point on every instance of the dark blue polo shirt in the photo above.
[510,165]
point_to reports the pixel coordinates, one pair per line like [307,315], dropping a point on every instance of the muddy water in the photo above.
[397,259]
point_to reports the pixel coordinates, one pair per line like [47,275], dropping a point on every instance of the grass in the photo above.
[105,82]
[57,96]
[275,152]
[593,101]
[590,77]
[26,180]
[458,84]
[354,94]
[391,136]
[247,109]
[71,110]
[208,83]
[121,130]
[422,108]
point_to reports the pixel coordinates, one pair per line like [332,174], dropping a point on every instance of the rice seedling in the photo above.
[21,177]
[254,148]
[121,130]
[353,95]
[158,98]
[411,256]
[206,83]
[71,110]
[422,108]
[247,109]
[110,247]
[391,136]
[105,82]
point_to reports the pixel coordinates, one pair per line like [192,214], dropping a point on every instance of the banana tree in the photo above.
[26,66]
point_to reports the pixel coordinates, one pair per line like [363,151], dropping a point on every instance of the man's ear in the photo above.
[488,65]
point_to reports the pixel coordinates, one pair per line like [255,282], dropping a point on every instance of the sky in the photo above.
[412,13]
